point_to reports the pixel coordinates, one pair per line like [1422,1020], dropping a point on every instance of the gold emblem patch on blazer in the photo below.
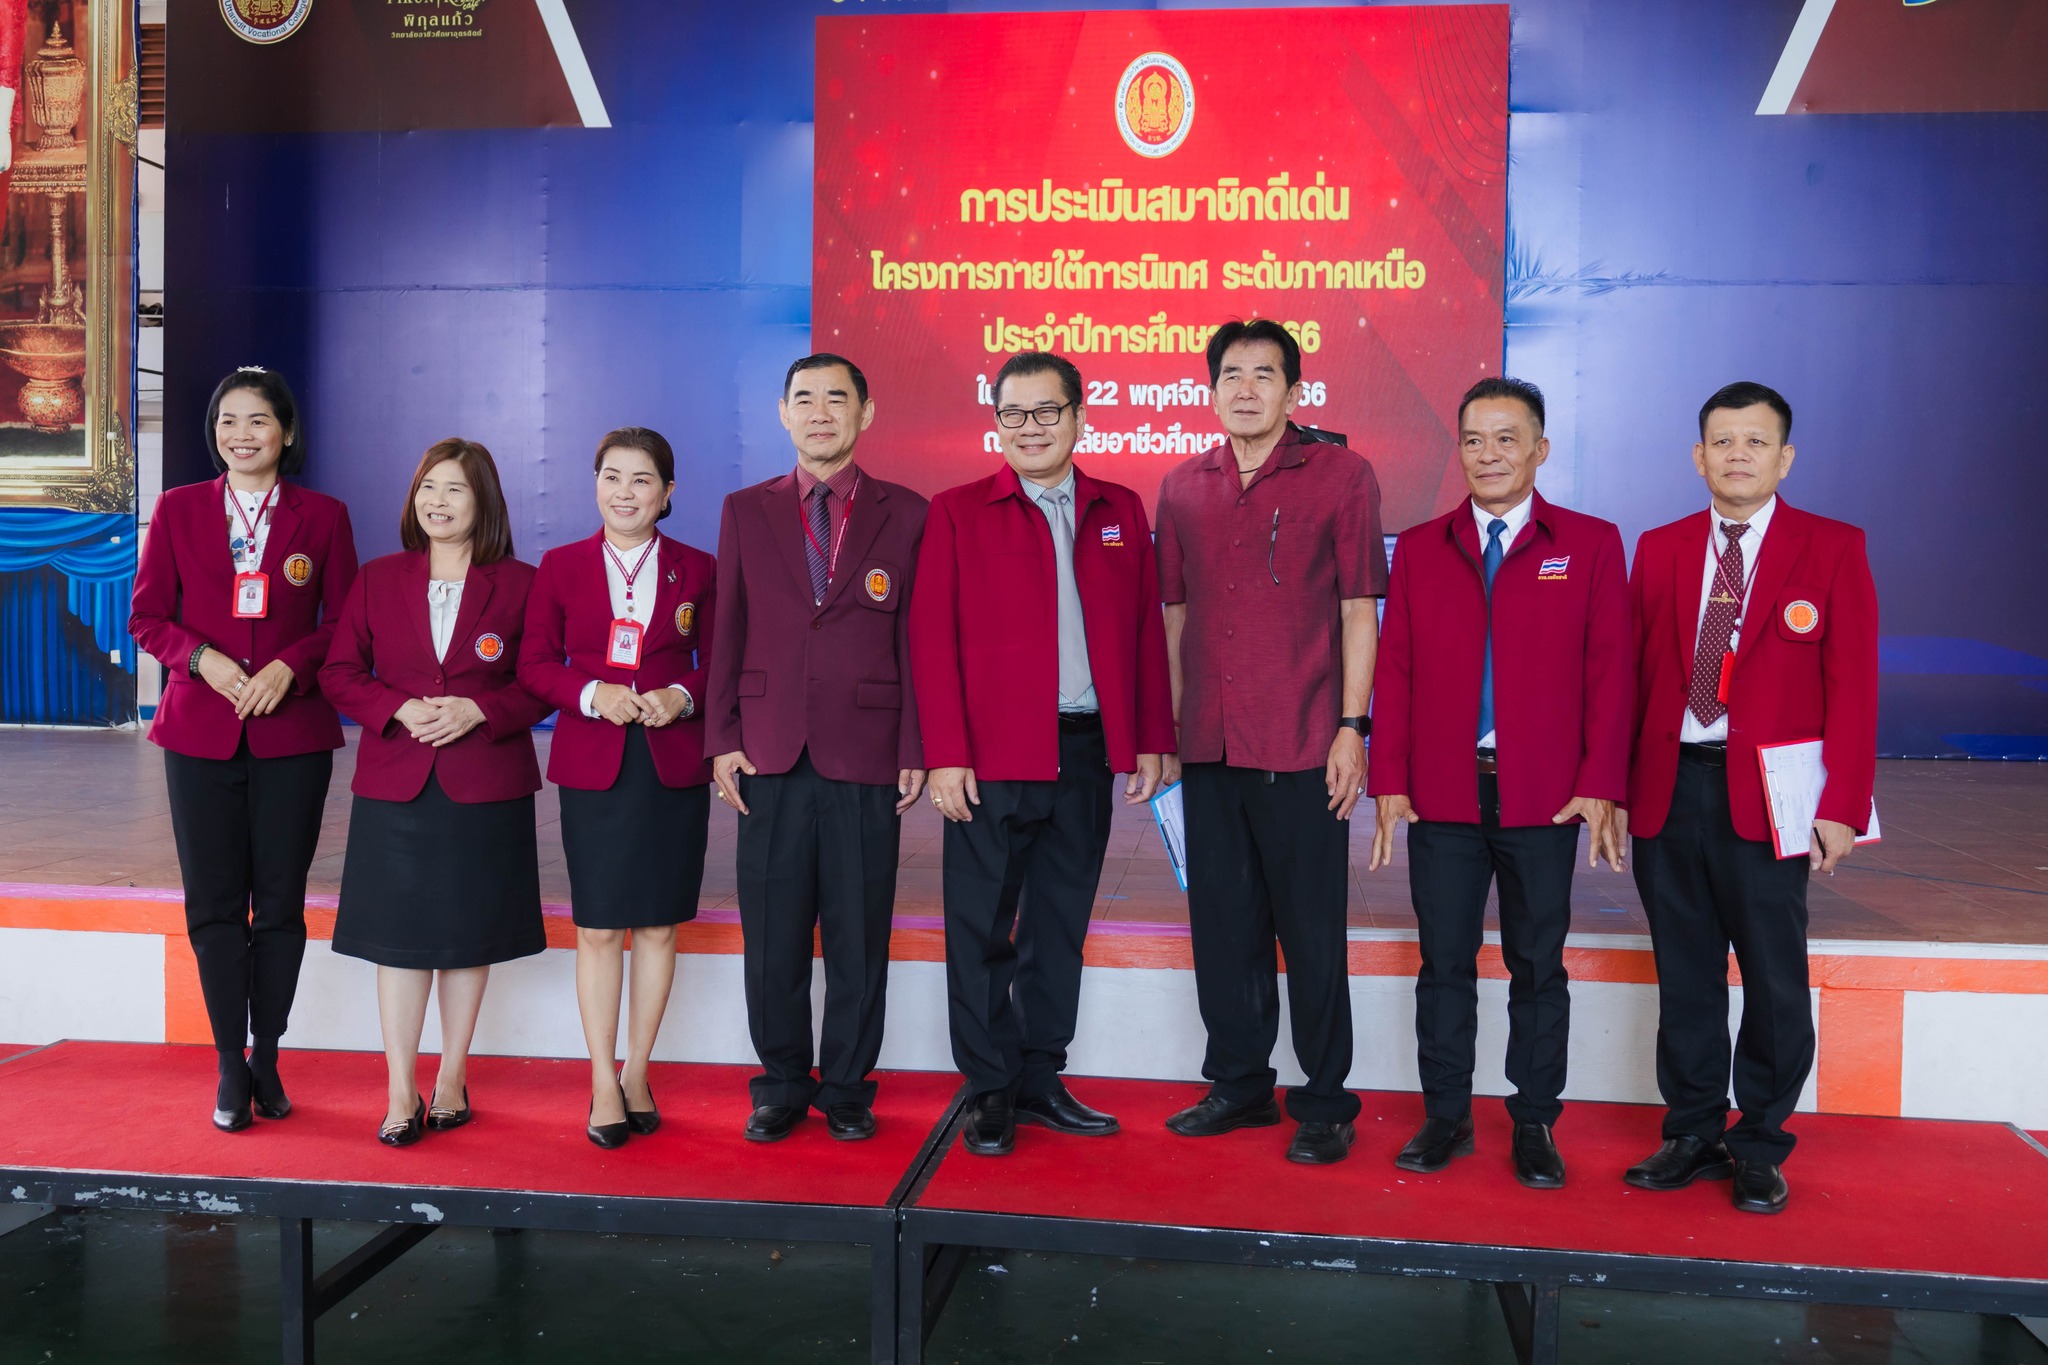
[686,618]
[878,584]
[298,571]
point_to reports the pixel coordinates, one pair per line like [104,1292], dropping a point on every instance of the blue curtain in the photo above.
[65,583]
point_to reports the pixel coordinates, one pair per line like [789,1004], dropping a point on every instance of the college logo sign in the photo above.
[265,21]
[1155,105]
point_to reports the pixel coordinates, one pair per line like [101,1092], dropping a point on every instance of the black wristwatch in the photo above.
[1362,724]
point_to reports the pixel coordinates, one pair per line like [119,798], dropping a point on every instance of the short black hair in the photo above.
[1504,386]
[1747,394]
[1041,362]
[270,386]
[648,442]
[825,360]
[1258,329]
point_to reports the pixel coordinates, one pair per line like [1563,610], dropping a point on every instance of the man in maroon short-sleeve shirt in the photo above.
[1270,558]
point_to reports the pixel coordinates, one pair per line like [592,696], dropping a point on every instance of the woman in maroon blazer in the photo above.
[442,873]
[618,635]
[239,585]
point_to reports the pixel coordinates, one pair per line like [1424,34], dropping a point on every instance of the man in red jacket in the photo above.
[1756,623]
[812,730]
[1040,661]
[1507,623]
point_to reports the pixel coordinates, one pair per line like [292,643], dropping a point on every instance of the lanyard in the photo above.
[262,514]
[620,564]
[845,515]
[1751,557]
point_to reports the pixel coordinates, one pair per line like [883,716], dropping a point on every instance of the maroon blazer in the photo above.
[383,657]
[789,674]
[568,625]
[984,629]
[184,597]
[1563,667]
[1819,682]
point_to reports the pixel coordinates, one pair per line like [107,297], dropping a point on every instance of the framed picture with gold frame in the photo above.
[67,252]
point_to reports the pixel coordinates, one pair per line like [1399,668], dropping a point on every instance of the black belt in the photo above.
[1080,722]
[1489,761]
[1713,755]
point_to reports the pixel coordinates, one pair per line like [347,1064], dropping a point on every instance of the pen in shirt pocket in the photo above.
[1273,548]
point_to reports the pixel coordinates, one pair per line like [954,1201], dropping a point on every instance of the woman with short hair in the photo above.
[442,874]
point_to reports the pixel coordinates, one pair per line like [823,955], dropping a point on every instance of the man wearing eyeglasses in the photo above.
[1039,659]
[1270,559]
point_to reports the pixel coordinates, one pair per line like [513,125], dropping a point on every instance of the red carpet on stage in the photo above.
[127,1107]
[1869,1193]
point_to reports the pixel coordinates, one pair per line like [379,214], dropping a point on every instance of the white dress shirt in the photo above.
[249,554]
[1516,517]
[444,604]
[1691,731]
[644,563]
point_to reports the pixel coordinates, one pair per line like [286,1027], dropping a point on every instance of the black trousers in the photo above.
[1030,859]
[815,853]
[1449,868]
[246,828]
[1706,889]
[1266,858]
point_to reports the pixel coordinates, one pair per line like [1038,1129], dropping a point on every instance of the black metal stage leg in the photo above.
[927,1274]
[305,1296]
[882,1302]
[1531,1314]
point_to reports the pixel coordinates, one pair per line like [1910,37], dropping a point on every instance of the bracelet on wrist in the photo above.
[192,664]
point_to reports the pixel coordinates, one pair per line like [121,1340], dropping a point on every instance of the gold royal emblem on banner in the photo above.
[265,21]
[1155,104]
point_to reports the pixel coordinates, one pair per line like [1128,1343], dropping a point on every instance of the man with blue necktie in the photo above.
[1500,721]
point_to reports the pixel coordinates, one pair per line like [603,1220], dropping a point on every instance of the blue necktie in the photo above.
[1494,555]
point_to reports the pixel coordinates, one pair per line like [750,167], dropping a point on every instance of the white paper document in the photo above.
[1173,831]
[1793,778]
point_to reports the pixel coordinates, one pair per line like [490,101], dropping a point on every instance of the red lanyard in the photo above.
[261,513]
[1750,559]
[845,515]
[629,577]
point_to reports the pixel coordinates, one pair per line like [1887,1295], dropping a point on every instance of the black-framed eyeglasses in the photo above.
[1046,415]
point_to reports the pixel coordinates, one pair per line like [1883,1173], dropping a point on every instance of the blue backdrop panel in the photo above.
[65,580]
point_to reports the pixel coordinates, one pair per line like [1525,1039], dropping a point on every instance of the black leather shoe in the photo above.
[607,1135]
[231,1097]
[1537,1163]
[850,1121]
[1760,1187]
[644,1121]
[1321,1144]
[407,1133]
[1435,1143]
[1215,1115]
[991,1127]
[1679,1162]
[1058,1110]
[442,1120]
[268,1090]
[773,1122]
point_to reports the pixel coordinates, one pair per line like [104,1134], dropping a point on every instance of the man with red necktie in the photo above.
[1756,623]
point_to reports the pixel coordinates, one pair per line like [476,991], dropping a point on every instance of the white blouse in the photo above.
[646,581]
[444,604]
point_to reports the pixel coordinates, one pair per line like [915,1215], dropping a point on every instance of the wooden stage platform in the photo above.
[1930,949]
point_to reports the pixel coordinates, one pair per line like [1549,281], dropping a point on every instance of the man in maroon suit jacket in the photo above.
[1756,623]
[812,726]
[1507,628]
[1040,658]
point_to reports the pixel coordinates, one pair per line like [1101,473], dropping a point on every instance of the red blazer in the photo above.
[1788,685]
[984,629]
[1563,670]
[184,597]
[568,624]
[787,674]
[383,657]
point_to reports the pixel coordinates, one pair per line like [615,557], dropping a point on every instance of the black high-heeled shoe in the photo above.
[643,1121]
[443,1120]
[231,1097]
[409,1132]
[267,1088]
[607,1135]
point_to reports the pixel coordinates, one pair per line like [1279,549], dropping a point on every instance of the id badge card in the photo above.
[625,644]
[1727,672]
[252,596]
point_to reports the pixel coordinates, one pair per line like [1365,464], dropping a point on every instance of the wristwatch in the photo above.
[1362,724]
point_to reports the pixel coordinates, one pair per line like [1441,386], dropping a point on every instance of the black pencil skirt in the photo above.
[636,849]
[438,884]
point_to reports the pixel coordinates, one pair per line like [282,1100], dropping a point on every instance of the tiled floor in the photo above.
[1957,862]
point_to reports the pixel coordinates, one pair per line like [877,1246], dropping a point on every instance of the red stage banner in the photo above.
[1115,186]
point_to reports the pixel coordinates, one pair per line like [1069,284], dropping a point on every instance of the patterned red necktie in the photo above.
[1724,607]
